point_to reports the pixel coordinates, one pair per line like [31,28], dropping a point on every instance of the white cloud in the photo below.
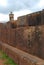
[3,17]
[41,3]
[3,3]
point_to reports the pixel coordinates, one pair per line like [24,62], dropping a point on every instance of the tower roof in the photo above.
[10,12]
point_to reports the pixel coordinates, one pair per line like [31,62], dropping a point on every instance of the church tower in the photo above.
[11,16]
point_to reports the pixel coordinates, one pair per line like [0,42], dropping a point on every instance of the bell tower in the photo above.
[11,16]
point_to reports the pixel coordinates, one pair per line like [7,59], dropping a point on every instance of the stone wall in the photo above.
[29,39]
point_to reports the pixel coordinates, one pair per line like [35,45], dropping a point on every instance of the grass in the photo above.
[8,61]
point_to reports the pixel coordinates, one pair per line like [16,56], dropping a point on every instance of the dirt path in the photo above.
[1,59]
[2,62]
[5,60]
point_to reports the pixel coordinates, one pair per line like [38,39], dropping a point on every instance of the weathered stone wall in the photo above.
[22,21]
[34,19]
[20,57]
[25,38]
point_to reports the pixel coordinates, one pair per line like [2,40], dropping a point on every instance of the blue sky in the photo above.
[19,7]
